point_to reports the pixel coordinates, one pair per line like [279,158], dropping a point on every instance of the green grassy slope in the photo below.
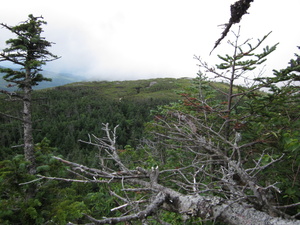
[135,89]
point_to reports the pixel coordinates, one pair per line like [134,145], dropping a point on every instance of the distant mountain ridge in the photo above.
[58,79]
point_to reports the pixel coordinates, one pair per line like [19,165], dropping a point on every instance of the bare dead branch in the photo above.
[12,117]
[108,144]
[287,206]
[127,204]
[193,179]
[150,210]
[72,180]
[32,181]
[138,189]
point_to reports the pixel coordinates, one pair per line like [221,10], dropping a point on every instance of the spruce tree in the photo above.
[29,52]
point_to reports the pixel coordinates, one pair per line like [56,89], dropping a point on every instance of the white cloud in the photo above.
[136,39]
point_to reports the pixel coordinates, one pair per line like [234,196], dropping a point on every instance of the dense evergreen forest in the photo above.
[159,151]
[65,114]
[61,116]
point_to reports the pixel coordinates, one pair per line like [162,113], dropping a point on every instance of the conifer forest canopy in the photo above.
[206,150]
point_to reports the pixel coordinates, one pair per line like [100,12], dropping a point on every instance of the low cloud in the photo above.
[120,40]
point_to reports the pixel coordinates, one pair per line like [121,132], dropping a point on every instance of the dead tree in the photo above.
[208,175]
[221,199]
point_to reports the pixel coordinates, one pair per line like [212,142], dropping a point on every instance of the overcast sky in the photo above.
[138,39]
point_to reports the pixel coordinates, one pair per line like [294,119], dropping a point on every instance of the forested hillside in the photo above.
[68,113]
[159,151]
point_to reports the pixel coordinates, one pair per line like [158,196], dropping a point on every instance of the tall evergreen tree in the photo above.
[28,51]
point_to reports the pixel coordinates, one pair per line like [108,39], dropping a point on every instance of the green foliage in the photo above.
[28,50]
[13,200]
[43,201]
[279,114]
[52,202]
[267,121]
[69,113]
[246,59]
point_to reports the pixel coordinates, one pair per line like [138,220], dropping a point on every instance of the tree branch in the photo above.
[12,117]
[150,210]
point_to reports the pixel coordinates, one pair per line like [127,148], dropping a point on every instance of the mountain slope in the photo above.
[58,79]
[68,113]
[134,89]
